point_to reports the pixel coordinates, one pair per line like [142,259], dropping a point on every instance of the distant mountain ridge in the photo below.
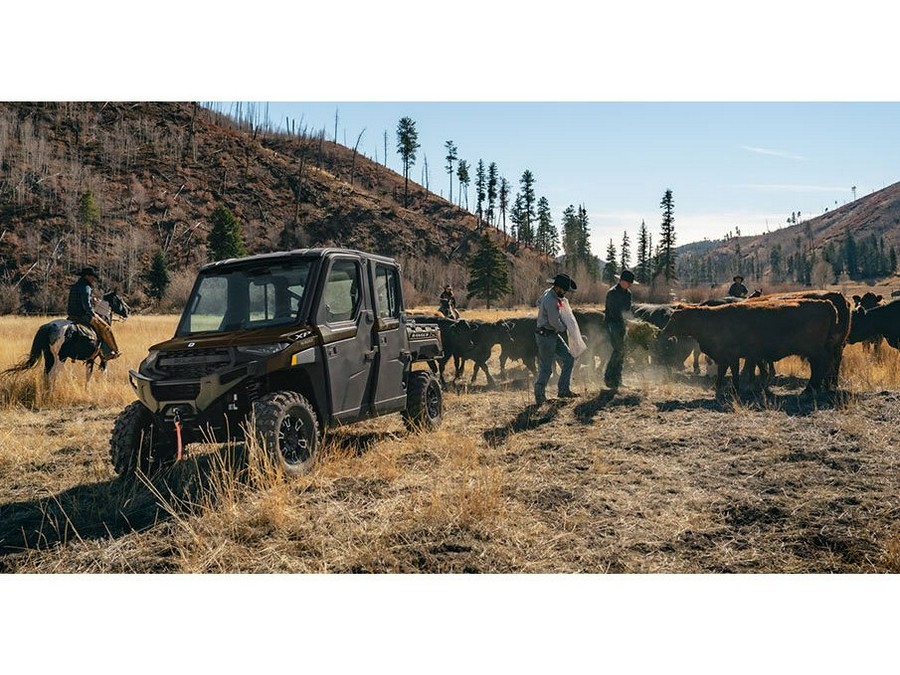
[875,215]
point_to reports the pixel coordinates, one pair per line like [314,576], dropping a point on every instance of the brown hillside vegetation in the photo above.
[156,172]
[875,215]
[661,477]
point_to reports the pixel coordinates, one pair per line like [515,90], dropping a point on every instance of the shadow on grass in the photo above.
[585,412]
[793,405]
[531,417]
[358,443]
[112,508]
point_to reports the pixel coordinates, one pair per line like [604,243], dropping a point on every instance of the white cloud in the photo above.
[773,153]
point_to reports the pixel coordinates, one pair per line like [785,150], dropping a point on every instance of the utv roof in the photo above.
[282,256]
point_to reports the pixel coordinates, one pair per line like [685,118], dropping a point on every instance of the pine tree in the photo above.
[491,191]
[626,252]
[451,157]
[851,258]
[488,273]
[158,276]
[546,239]
[407,144]
[570,237]
[225,236]
[892,261]
[643,255]
[504,200]
[667,236]
[610,269]
[480,184]
[583,246]
[462,173]
[88,212]
[526,230]
[516,218]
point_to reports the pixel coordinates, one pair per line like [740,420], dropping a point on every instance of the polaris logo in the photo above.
[191,344]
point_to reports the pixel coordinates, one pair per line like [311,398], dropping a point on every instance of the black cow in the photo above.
[592,324]
[521,345]
[882,320]
[485,335]
[867,301]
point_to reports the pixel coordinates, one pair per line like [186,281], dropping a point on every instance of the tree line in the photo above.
[802,263]
[651,264]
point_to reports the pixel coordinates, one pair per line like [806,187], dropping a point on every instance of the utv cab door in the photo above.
[390,339]
[345,319]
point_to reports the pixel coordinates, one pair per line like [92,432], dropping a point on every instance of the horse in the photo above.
[62,339]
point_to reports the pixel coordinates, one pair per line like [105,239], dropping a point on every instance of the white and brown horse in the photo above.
[62,339]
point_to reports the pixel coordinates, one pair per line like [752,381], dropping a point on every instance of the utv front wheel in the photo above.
[286,425]
[424,402]
[131,444]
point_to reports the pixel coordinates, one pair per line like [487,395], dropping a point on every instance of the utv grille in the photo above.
[193,363]
[175,392]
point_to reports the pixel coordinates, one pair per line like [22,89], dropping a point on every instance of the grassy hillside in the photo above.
[156,171]
[873,221]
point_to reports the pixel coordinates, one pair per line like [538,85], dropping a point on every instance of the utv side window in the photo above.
[387,292]
[341,299]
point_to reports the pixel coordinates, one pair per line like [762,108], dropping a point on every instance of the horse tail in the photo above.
[39,345]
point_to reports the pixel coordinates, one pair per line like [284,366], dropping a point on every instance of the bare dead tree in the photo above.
[353,163]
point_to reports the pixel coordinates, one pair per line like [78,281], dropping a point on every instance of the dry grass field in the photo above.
[660,477]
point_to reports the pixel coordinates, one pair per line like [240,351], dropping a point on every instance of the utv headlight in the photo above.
[263,350]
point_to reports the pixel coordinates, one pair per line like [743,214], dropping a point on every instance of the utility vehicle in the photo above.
[291,342]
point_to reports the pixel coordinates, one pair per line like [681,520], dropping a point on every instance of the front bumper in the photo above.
[188,396]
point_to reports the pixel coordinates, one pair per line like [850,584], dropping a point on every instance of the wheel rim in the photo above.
[433,401]
[294,438]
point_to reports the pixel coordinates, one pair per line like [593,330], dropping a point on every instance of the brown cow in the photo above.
[839,333]
[760,331]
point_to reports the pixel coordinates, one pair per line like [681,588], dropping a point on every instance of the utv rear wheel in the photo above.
[424,402]
[287,426]
[131,444]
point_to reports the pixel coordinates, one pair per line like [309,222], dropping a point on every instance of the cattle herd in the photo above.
[745,336]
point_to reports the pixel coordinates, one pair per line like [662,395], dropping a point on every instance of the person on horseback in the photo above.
[448,303]
[81,311]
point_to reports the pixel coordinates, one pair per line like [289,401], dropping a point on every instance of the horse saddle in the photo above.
[80,343]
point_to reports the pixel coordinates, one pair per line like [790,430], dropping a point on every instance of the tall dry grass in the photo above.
[107,389]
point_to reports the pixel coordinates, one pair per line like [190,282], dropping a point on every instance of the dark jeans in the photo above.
[613,375]
[551,348]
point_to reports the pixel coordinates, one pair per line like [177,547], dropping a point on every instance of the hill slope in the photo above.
[873,222]
[157,170]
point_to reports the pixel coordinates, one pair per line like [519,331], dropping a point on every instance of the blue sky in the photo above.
[748,165]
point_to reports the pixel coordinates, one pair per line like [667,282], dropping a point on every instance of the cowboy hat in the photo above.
[564,281]
[738,277]
[627,275]
[89,272]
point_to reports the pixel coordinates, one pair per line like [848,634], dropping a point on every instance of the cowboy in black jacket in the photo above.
[80,309]
[618,301]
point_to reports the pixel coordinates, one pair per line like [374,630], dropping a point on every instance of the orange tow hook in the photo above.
[178,436]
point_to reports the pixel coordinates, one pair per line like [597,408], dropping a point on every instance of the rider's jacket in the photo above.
[80,306]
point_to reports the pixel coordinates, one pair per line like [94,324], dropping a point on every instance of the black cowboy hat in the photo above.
[627,275]
[738,276]
[89,272]
[564,281]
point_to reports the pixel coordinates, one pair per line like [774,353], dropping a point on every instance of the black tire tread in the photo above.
[125,441]
[416,414]
[267,418]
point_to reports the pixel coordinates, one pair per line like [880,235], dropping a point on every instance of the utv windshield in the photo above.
[246,298]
